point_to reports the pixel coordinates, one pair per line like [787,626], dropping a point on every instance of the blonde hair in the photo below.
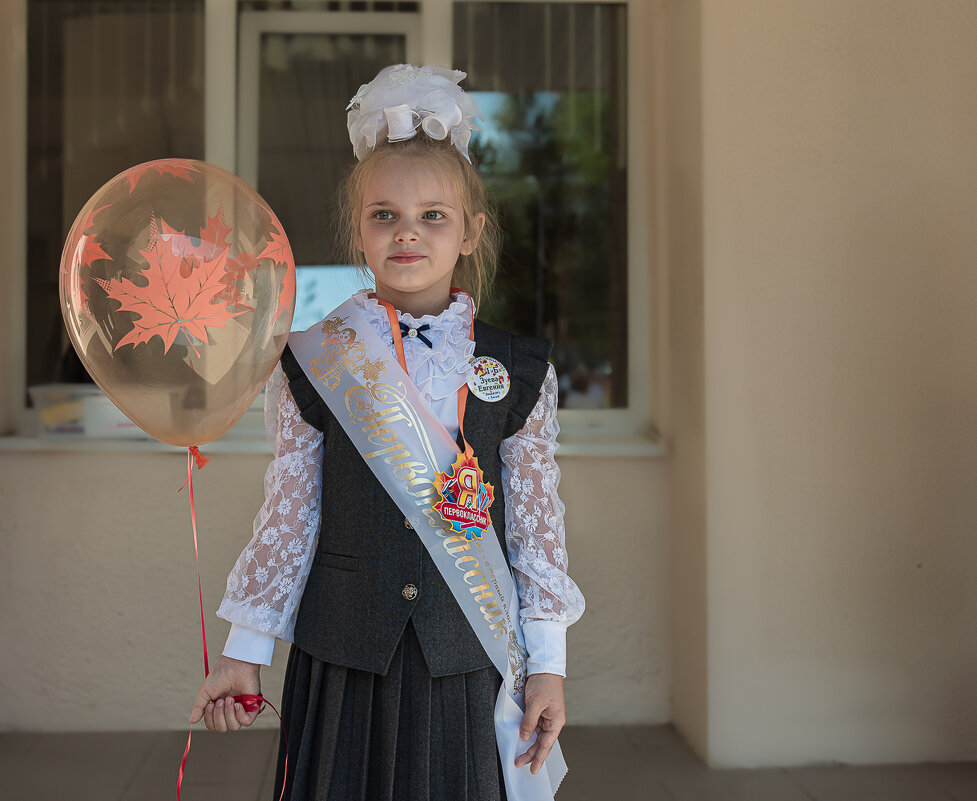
[473,273]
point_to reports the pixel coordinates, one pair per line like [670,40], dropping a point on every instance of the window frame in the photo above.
[646,307]
[251,26]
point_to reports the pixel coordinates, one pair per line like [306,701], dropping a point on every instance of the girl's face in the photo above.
[412,230]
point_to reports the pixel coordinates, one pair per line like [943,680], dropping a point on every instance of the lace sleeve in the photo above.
[535,533]
[266,583]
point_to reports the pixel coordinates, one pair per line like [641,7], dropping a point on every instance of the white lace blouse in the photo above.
[265,585]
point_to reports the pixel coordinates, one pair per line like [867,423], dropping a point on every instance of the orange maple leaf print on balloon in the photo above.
[237,269]
[88,248]
[212,239]
[277,248]
[181,295]
[181,168]
[287,295]
[91,250]
[90,218]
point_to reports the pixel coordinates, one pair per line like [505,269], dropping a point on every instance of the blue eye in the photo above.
[433,215]
[383,215]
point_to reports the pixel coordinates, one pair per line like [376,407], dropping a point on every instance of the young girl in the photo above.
[389,694]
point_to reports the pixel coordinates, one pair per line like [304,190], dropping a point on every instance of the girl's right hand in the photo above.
[215,701]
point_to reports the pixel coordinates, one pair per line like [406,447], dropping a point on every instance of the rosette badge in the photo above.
[403,99]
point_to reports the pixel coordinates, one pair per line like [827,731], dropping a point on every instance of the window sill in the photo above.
[636,447]
[571,447]
[92,444]
[613,433]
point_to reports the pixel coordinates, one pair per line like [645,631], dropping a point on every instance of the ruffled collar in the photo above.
[459,311]
[442,369]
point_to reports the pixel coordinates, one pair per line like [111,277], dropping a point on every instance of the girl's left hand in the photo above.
[546,712]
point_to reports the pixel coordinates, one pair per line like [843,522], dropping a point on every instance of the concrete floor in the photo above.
[649,763]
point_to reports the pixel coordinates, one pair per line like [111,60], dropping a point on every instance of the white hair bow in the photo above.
[403,98]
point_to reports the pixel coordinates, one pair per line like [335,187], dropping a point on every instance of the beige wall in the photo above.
[100,623]
[684,425]
[840,276]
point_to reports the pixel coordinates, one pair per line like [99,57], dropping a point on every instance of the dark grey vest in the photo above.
[358,598]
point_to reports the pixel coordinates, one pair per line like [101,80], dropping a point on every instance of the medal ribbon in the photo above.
[398,337]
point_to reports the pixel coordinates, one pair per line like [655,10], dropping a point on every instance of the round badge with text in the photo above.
[489,380]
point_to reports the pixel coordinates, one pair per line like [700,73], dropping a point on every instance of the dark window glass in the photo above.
[305,82]
[111,84]
[551,81]
[303,150]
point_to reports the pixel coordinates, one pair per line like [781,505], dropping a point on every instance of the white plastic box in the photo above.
[70,411]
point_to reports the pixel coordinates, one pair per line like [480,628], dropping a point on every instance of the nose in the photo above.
[405,233]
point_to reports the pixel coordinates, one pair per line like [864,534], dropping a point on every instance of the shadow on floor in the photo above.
[607,763]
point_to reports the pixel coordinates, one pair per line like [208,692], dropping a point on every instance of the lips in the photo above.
[405,257]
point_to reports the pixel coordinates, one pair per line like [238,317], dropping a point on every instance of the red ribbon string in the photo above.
[250,703]
[183,766]
[193,453]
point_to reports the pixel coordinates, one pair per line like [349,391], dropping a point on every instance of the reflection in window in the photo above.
[320,288]
[550,79]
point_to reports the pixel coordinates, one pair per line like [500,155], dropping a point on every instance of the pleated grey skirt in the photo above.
[358,736]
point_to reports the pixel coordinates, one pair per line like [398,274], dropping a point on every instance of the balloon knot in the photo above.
[198,457]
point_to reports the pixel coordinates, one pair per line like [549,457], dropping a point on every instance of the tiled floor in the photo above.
[607,764]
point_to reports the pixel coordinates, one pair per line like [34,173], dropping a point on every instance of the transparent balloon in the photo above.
[178,289]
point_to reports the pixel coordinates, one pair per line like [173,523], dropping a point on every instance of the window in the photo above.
[116,82]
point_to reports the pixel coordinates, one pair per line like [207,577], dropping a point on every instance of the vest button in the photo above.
[407,524]
[409,592]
